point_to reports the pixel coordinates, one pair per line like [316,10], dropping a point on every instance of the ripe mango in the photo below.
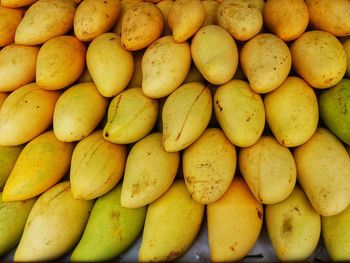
[172,223]
[54,226]
[13,216]
[111,229]
[41,164]
[334,106]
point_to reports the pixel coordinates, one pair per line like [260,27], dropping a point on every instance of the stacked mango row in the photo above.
[121,118]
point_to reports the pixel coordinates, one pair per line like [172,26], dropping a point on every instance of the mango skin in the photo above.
[13,216]
[8,158]
[243,216]
[98,242]
[323,168]
[172,223]
[294,227]
[41,164]
[334,106]
[336,235]
[10,18]
[149,172]
[29,100]
[96,167]
[54,226]
[3,97]
[209,165]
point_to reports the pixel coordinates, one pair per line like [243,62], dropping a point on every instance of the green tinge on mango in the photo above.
[54,226]
[13,216]
[172,223]
[111,229]
[8,158]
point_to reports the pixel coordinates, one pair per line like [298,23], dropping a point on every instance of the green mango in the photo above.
[13,217]
[334,104]
[111,229]
[8,158]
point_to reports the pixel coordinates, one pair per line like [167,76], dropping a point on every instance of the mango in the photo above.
[78,111]
[323,168]
[3,96]
[54,226]
[186,114]
[17,66]
[335,233]
[10,18]
[209,165]
[110,66]
[125,5]
[172,223]
[131,116]
[165,65]
[60,62]
[334,106]
[210,7]
[96,167]
[149,172]
[98,242]
[13,216]
[142,24]
[164,7]
[294,227]
[234,223]
[29,100]
[8,158]
[40,165]
[215,54]
[269,170]
[16,3]
[292,112]
[240,112]
[185,17]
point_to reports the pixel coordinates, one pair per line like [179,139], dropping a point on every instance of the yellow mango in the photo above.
[287,19]
[27,112]
[336,235]
[95,17]
[8,158]
[17,66]
[240,112]
[266,61]
[10,18]
[215,54]
[209,165]
[60,62]
[186,114]
[142,24]
[149,172]
[269,170]
[323,168]
[98,242]
[41,164]
[78,111]
[210,7]
[110,66]
[96,167]
[165,65]
[16,3]
[185,17]
[234,223]
[13,216]
[124,6]
[131,116]
[292,112]
[164,7]
[45,19]
[319,58]
[294,227]
[54,226]
[172,223]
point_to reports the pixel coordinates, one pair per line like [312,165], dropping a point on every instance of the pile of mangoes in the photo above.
[128,118]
